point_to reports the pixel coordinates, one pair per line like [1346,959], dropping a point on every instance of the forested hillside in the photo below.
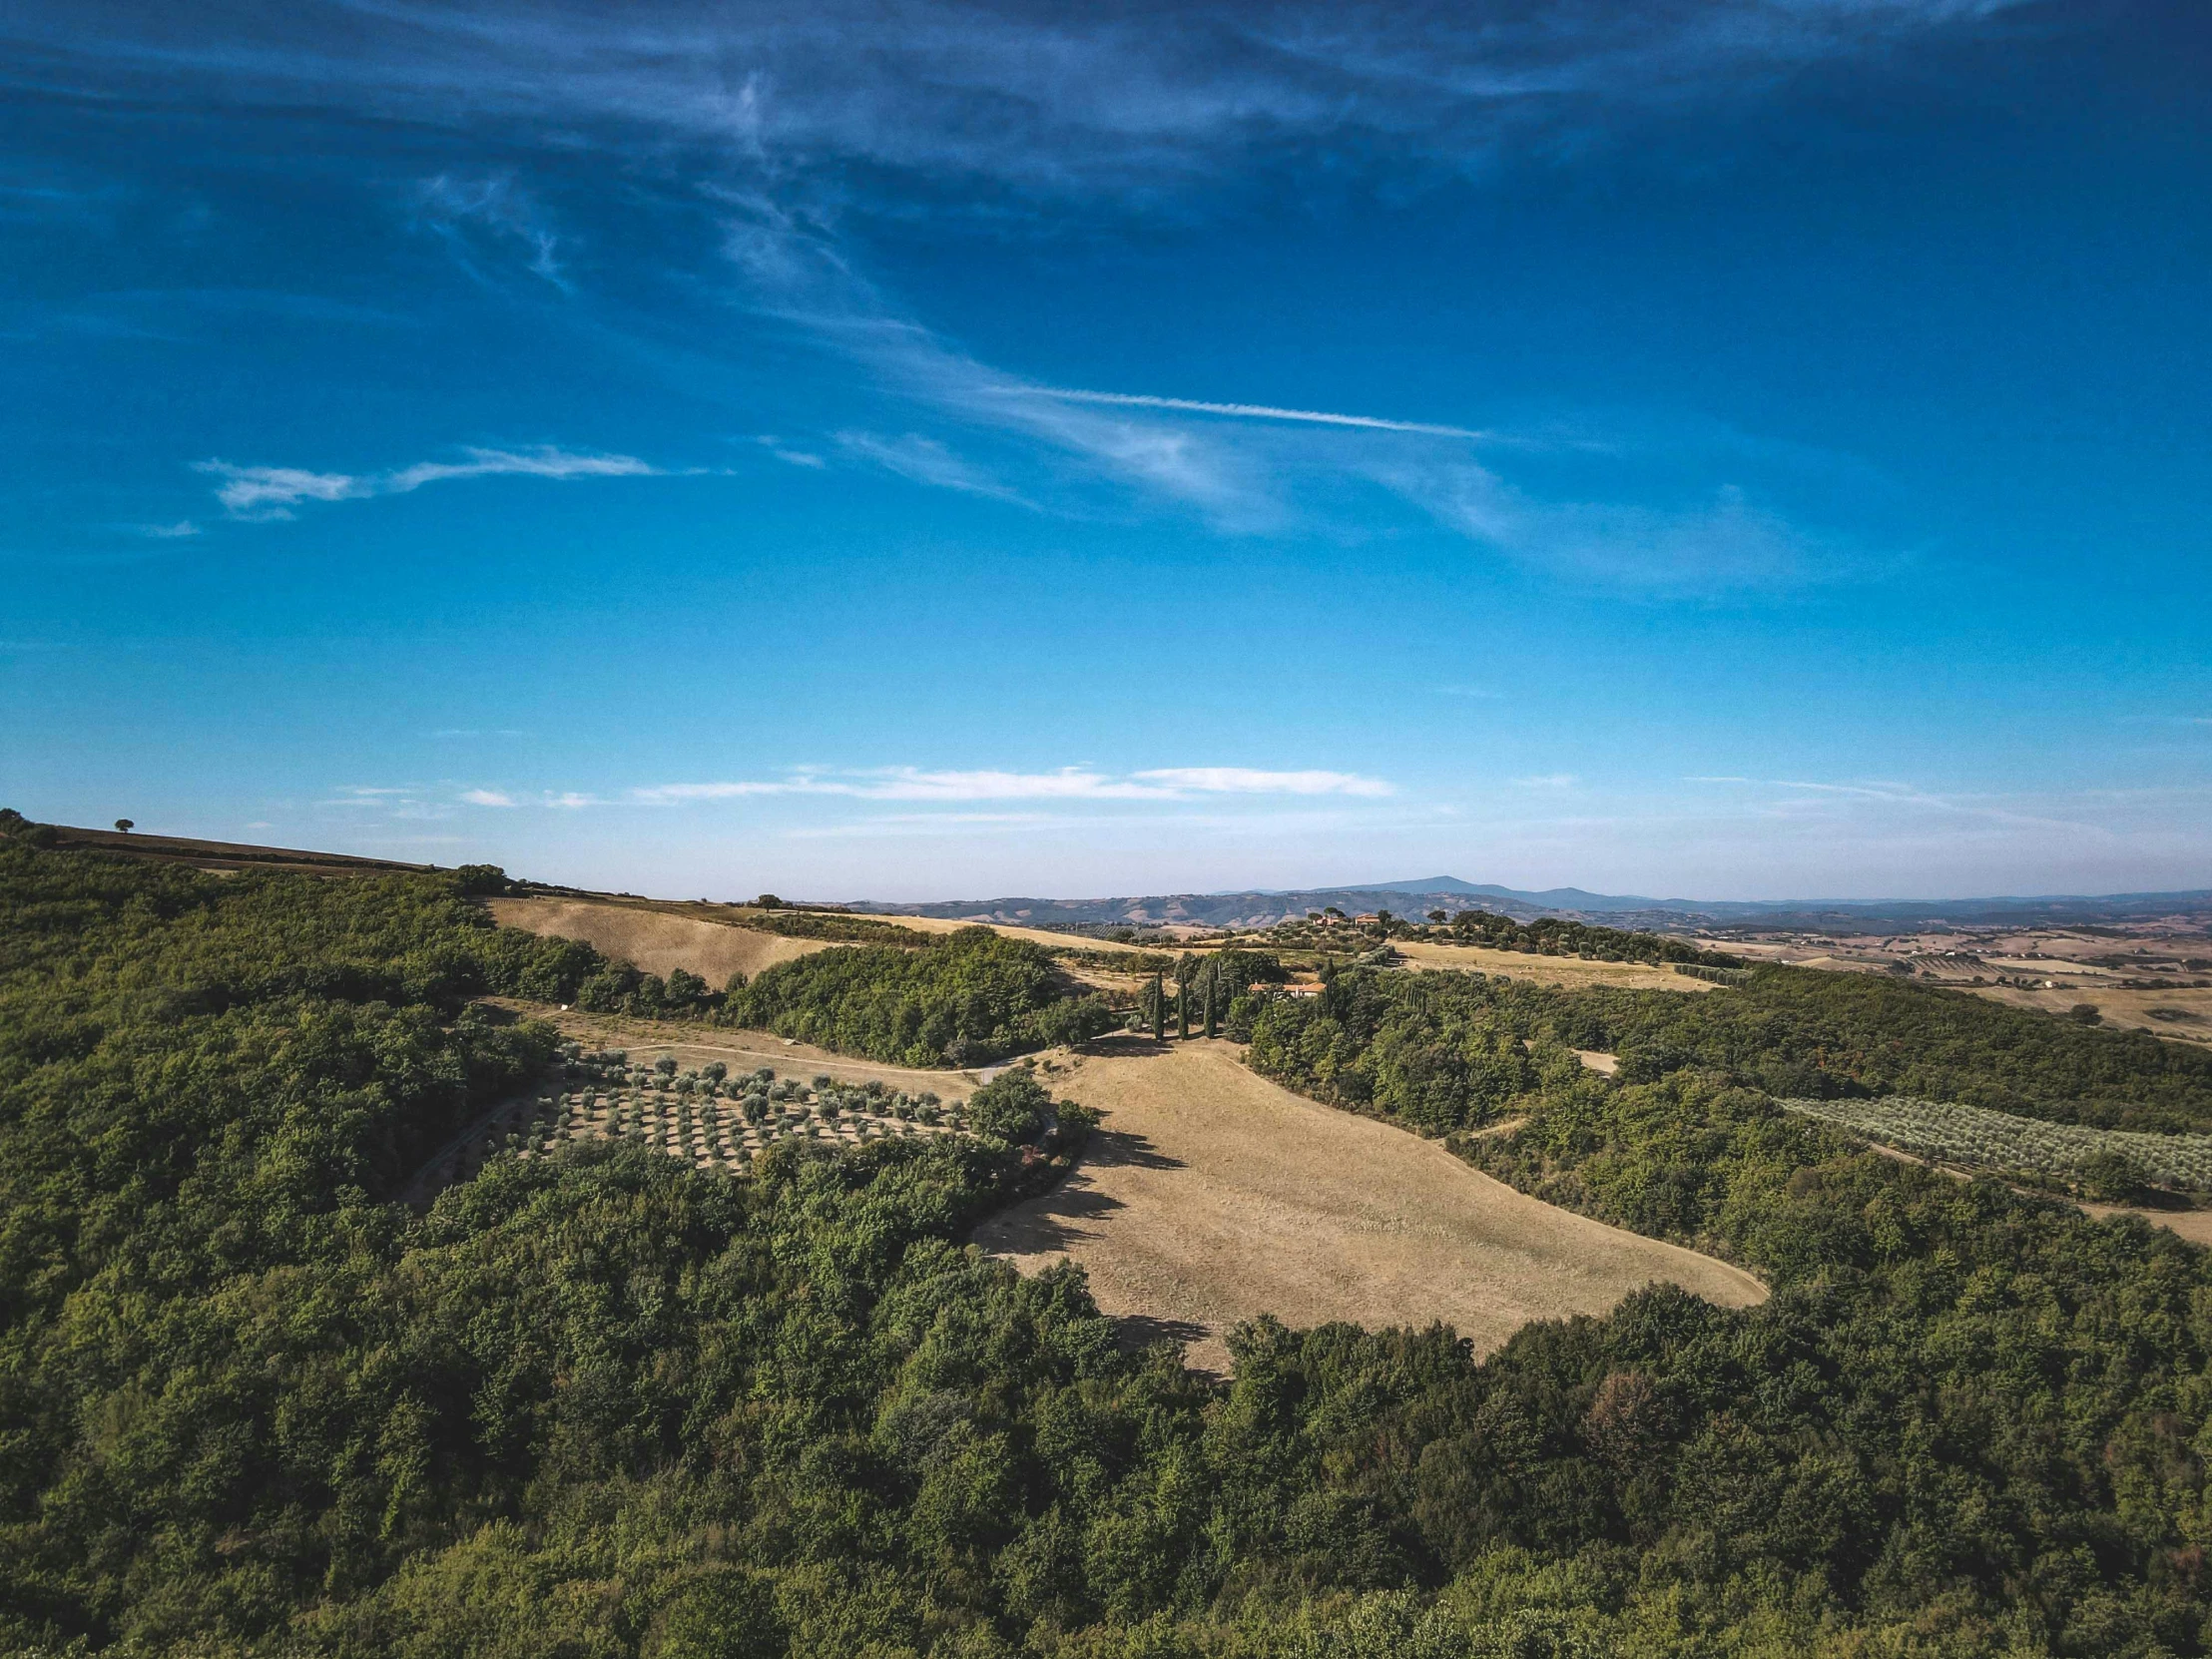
[1442,1051]
[601,1403]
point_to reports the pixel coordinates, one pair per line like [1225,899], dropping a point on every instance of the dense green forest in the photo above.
[1442,1051]
[833,925]
[1545,936]
[601,1403]
[968,997]
[1562,936]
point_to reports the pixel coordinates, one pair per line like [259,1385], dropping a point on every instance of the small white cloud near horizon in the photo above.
[261,495]
[1547,780]
[488,797]
[1246,780]
[785,452]
[1067,784]
[168,532]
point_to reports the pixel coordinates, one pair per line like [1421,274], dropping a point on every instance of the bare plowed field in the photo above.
[1211,1196]
[654,940]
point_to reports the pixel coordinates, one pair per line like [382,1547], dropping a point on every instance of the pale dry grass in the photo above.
[653,939]
[691,1044]
[1568,971]
[1211,1196]
[2127,1009]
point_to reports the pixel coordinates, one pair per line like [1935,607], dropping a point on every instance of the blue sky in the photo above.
[1749,449]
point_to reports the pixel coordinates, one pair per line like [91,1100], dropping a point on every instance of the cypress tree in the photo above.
[1212,974]
[1159,1009]
[1183,1009]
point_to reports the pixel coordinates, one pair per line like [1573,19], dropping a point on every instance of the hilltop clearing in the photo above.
[654,940]
[1211,1196]
[1567,972]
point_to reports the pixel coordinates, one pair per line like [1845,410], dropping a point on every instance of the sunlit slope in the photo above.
[1211,1196]
[654,940]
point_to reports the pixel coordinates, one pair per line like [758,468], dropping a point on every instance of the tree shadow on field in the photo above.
[1068,1213]
[1110,1147]
[1055,1222]
[1134,1333]
[1123,1045]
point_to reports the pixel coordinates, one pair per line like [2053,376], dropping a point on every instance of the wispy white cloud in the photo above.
[176,531]
[488,797]
[265,492]
[261,493]
[1812,798]
[497,202]
[1727,542]
[778,108]
[1547,780]
[1243,411]
[1049,98]
[790,454]
[1067,784]
[925,460]
[1246,780]
[1265,468]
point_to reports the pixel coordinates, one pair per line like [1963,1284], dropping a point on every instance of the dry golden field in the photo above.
[654,940]
[2051,969]
[2121,1006]
[1211,1196]
[1569,971]
[693,1044]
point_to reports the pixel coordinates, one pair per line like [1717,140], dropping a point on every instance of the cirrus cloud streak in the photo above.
[259,494]
[1067,784]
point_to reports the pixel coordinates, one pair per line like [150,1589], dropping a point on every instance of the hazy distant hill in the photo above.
[1259,907]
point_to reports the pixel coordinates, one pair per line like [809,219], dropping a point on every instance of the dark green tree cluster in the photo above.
[1801,1031]
[1563,937]
[1446,1050]
[833,926]
[1436,1051]
[968,997]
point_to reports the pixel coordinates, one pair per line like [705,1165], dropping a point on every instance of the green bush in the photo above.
[968,998]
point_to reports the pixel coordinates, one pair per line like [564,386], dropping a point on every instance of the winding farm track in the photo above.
[1211,1196]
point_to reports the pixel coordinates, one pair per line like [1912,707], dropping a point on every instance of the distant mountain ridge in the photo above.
[1259,907]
